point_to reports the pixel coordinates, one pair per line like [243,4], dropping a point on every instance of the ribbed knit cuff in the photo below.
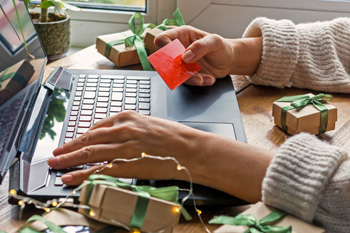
[280,51]
[298,173]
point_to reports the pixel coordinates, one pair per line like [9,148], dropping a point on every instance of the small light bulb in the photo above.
[74,192]
[13,192]
[199,211]
[110,165]
[20,202]
[143,154]
[48,210]
[176,209]
[178,167]
[92,213]
[54,203]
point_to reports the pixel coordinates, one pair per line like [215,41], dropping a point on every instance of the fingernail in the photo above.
[188,56]
[53,162]
[66,178]
[58,151]
[208,81]
[197,81]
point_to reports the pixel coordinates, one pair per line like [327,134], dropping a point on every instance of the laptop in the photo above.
[36,117]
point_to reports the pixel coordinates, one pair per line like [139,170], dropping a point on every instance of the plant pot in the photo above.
[54,35]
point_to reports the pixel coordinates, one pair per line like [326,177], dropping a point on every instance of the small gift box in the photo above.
[14,79]
[145,208]
[126,48]
[261,218]
[167,24]
[305,113]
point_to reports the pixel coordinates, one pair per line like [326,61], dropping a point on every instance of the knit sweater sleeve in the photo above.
[313,55]
[311,180]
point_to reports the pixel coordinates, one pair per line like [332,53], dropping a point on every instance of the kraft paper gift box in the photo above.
[119,54]
[176,21]
[260,210]
[116,206]
[308,119]
[14,79]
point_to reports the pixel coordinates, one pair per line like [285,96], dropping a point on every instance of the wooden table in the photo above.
[255,103]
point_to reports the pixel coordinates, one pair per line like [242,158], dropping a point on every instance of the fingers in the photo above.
[91,137]
[201,79]
[186,34]
[148,169]
[93,154]
[200,48]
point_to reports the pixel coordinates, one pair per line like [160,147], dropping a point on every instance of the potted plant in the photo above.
[53,27]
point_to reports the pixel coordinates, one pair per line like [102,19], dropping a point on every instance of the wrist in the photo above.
[246,56]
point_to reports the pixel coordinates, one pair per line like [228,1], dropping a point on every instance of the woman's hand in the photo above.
[216,55]
[127,135]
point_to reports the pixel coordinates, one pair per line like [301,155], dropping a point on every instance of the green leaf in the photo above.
[46,4]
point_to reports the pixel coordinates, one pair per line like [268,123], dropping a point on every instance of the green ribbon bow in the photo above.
[300,101]
[176,21]
[134,39]
[144,193]
[4,76]
[255,226]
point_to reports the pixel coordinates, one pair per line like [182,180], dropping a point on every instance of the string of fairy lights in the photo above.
[50,205]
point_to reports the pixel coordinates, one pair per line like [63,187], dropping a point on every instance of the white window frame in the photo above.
[229,18]
[87,24]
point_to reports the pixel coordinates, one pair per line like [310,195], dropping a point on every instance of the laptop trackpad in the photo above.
[223,129]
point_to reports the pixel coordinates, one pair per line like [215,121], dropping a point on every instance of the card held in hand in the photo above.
[169,64]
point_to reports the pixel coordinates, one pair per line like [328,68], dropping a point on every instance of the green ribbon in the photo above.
[255,226]
[4,76]
[300,101]
[176,21]
[144,193]
[52,226]
[134,39]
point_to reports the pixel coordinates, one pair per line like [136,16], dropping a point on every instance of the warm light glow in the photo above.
[47,210]
[176,209]
[20,203]
[143,154]
[110,165]
[74,192]
[13,192]
[54,203]
[199,211]
[178,167]
[136,231]
[92,213]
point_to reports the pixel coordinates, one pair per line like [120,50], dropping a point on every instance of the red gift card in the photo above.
[168,62]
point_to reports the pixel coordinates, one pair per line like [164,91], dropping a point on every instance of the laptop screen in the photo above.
[22,60]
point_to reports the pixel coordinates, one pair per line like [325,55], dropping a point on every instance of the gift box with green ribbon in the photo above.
[126,48]
[260,218]
[144,208]
[167,24]
[305,113]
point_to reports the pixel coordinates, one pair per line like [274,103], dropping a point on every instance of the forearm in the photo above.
[230,166]
[246,55]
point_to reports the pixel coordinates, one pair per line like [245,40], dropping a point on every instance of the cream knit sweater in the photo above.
[307,177]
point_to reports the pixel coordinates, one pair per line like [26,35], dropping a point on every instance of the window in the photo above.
[121,5]
[89,23]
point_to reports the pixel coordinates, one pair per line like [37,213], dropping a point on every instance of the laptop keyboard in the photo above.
[99,96]
[7,120]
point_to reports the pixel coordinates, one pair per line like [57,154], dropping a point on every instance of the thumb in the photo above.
[202,47]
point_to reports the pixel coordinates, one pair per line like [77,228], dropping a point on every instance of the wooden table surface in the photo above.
[255,103]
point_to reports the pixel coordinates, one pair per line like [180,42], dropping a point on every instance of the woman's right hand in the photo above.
[216,55]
